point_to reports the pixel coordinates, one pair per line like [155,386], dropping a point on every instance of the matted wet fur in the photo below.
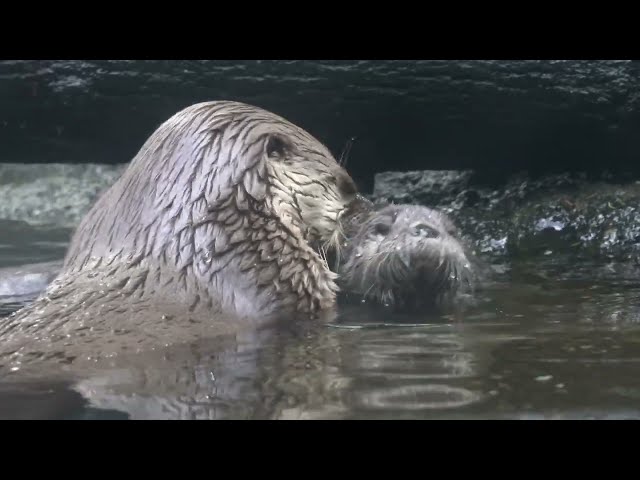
[216,222]
[403,256]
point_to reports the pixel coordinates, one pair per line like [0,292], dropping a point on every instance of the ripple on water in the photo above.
[416,396]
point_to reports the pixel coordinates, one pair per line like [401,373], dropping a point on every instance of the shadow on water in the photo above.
[48,401]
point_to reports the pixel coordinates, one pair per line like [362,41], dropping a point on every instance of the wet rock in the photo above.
[52,194]
[497,117]
[575,214]
[556,214]
[423,187]
[596,220]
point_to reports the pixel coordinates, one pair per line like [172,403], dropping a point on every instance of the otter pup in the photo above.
[403,256]
[216,222]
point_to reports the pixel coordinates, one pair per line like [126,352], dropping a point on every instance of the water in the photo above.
[551,338]
[23,244]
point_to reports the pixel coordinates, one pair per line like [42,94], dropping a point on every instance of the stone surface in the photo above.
[496,117]
[430,187]
[573,214]
[52,194]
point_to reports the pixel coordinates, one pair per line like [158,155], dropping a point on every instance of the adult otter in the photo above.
[215,223]
[404,256]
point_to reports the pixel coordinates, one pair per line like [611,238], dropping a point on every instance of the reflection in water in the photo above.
[410,368]
[310,371]
[547,341]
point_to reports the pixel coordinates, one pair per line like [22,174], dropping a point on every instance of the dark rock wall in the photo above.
[490,116]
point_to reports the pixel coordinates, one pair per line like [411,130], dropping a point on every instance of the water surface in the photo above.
[552,338]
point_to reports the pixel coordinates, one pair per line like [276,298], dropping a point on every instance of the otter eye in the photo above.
[382,228]
[426,231]
[276,147]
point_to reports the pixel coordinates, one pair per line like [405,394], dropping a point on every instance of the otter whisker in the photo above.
[334,242]
[345,152]
[323,254]
[364,296]
[364,273]
[379,265]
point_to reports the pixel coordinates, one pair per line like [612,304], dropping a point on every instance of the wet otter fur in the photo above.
[403,256]
[215,224]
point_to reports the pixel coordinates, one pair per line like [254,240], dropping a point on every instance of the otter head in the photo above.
[404,256]
[309,188]
[228,202]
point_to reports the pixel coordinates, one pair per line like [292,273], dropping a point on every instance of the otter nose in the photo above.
[425,231]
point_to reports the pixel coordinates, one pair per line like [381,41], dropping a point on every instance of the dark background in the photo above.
[496,117]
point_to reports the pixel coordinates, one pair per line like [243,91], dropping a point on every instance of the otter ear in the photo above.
[277,147]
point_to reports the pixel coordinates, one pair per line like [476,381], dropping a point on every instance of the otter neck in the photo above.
[261,260]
